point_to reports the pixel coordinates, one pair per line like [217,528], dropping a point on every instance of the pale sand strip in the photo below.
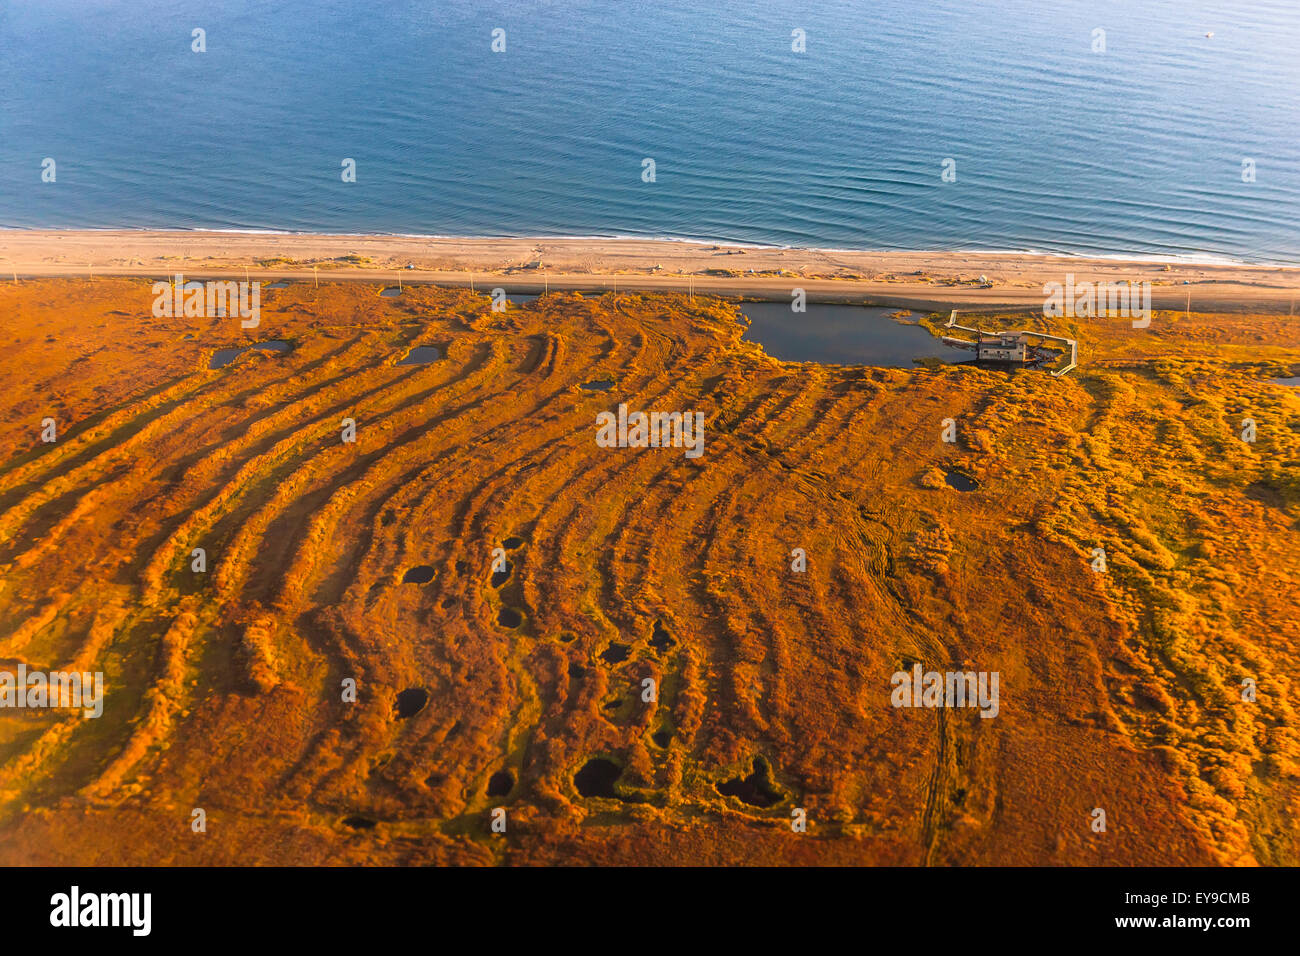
[935,279]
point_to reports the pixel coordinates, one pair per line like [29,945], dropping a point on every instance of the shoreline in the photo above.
[938,278]
[1191,259]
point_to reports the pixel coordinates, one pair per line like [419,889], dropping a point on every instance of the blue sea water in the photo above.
[1136,150]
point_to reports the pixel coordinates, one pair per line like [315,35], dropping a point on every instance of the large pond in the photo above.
[844,335]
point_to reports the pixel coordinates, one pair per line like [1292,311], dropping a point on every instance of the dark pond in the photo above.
[501,577]
[280,284]
[391,291]
[422,355]
[411,701]
[960,480]
[509,617]
[661,640]
[512,542]
[596,778]
[600,385]
[616,653]
[757,789]
[226,356]
[662,738]
[422,574]
[502,782]
[1293,381]
[843,335]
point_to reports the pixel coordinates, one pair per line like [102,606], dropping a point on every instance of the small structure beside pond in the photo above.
[1011,348]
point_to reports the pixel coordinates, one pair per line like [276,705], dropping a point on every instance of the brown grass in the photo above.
[1118,690]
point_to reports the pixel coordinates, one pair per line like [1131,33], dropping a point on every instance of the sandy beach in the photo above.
[936,279]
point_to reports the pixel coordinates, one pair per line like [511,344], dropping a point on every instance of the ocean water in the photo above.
[1137,150]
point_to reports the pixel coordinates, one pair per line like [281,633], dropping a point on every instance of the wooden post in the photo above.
[316,276]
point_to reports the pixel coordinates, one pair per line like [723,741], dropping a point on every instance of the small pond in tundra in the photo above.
[223,357]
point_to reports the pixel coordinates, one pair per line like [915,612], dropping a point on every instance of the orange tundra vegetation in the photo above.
[521,686]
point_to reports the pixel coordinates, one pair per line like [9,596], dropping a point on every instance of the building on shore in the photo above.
[1003,347]
[1012,348]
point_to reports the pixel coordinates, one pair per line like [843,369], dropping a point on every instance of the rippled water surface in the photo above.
[1137,150]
